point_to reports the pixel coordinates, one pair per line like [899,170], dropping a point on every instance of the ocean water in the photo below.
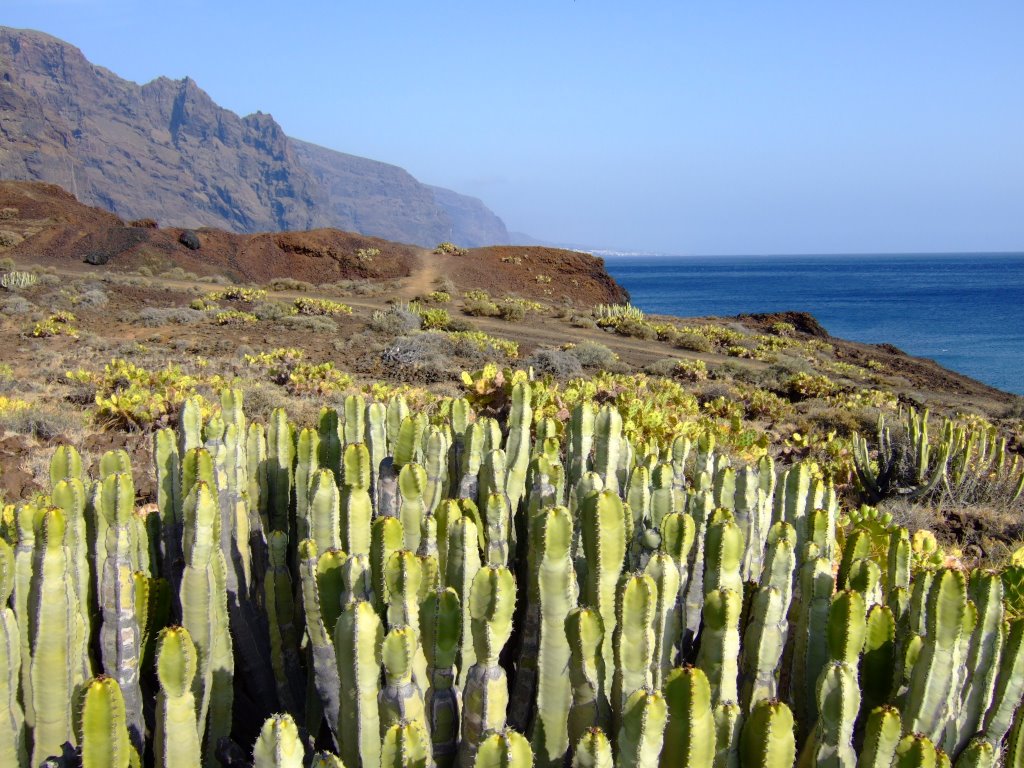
[966,311]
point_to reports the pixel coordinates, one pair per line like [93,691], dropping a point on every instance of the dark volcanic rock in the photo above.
[190,240]
[165,150]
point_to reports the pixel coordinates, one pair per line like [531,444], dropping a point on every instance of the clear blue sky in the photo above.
[683,127]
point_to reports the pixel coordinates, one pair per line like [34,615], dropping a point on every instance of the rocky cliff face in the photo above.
[165,150]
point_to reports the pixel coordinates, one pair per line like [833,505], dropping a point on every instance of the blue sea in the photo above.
[965,311]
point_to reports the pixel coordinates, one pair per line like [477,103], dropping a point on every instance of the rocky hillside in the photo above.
[165,150]
[44,225]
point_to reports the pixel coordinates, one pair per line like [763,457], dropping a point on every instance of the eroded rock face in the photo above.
[166,150]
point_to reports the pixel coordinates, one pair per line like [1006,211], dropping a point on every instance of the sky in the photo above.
[671,127]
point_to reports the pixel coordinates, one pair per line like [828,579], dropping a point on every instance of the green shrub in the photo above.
[804,386]
[322,307]
[691,341]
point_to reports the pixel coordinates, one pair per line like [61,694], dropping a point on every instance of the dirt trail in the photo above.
[430,266]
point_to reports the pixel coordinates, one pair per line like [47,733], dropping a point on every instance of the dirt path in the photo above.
[421,282]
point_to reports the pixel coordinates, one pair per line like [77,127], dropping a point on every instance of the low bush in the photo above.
[594,354]
[692,342]
[9,239]
[435,319]
[559,363]
[480,307]
[423,357]
[395,320]
[154,317]
[235,317]
[273,310]
[94,297]
[16,305]
[312,323]
[439,297]
[289,284]
[322,307]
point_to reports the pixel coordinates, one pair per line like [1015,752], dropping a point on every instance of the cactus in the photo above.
[593,750]
[13,746]
[767,740]
[881,737]
[604,549]
[440,615]
[176,737]
[53,673]
[643,728]
[357,640]
[17,281]
[103,736]
[931,695]
[321,601]
[278,745]
[634,641]
[690,733]
[720,643]
[485,699]
[462,567]
[504,749]
[553,591]
[401,699]
[405,745]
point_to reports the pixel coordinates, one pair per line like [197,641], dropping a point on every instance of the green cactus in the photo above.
[831,743]
[767,739]
[690,733]
[176,737]
[355,419]
[13,746]
[634,640]
[1009,688]
[485,698]
[931,697]
[607,446]
[881,736]
[324,511]
[358,638]
[602,525]
[728,719]
[386,537]
[504,749]
[279,745]
[593,750]
[584,630]
[915,750]
[401,699]
[321,601]
[667,616]
[280,606]
[553,591]
[984,650]
[878,664]
[102,733]
[52,617]
[405,745]
[809,653]
[462,567]
[643,729]
[440,615]
[720,643]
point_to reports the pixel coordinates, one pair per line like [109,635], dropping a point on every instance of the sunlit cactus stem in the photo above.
[279,745]
[357,640]
[176,739]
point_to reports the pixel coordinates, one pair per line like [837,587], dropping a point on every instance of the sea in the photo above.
[963,310]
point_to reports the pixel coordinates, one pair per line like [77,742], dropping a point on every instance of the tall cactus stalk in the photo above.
[485,701]
[690,733]
[553,589]
[176,738]
[602,526]
[357,640]
[13,745]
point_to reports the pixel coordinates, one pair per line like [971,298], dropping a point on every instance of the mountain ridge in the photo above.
[166,150]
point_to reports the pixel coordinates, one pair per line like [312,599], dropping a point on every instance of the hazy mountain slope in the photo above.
[166,150]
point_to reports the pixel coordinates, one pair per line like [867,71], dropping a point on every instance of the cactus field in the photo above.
[439,587]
